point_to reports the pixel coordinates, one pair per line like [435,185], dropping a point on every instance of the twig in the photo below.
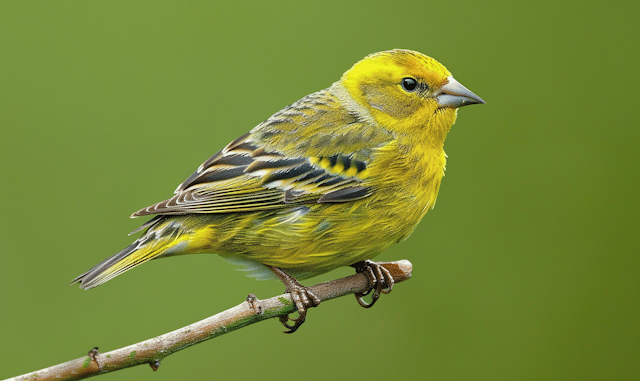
[251,311]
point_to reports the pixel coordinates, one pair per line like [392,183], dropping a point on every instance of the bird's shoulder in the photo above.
[324,123]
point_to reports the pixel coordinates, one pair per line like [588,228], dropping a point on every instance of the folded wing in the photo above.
[314,150]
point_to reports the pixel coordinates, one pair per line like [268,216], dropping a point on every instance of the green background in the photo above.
[527,269]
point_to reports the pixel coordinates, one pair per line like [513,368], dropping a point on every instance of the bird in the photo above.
[331,180]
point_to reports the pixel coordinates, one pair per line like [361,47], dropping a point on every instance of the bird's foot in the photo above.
[380,281]
[302,297]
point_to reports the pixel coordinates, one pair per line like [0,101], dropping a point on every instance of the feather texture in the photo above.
[255,171]
[330,180]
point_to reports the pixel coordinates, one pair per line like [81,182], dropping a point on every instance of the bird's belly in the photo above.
[314,238]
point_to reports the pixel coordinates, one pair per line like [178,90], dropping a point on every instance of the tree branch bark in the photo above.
[251,311]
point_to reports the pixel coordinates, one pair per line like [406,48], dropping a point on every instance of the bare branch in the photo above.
[251,311]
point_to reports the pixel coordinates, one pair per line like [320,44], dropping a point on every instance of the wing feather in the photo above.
[275,165]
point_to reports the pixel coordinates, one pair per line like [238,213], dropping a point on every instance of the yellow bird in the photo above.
[331,180]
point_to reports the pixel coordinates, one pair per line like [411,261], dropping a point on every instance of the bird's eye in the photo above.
[409,84]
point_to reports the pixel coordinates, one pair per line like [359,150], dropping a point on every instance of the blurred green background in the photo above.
[527,269]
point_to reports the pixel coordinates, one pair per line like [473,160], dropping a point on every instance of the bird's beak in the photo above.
[454,95]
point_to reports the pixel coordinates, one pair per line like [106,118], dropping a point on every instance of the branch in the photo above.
[251,311]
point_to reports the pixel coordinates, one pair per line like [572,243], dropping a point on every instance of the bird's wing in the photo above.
[314,150]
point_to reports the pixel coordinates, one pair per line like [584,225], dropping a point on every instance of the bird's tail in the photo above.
[163,238]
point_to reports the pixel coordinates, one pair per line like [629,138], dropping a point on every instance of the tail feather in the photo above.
[159,240]
[89,279]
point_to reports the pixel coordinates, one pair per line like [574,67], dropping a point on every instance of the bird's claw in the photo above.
[380,281]
[304,299]
[301,296]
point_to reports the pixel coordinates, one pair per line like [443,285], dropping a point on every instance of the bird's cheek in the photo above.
[394,106]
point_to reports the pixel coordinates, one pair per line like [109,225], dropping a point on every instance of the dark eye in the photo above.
[409,84]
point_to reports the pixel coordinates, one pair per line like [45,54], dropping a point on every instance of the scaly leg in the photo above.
[379,278]
[302,297]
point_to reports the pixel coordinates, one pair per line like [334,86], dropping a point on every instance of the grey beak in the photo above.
[454,95]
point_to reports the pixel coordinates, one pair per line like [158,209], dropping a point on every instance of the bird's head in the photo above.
[406,90]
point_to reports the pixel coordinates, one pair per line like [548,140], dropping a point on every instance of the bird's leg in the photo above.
[302,297]
[379,278]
